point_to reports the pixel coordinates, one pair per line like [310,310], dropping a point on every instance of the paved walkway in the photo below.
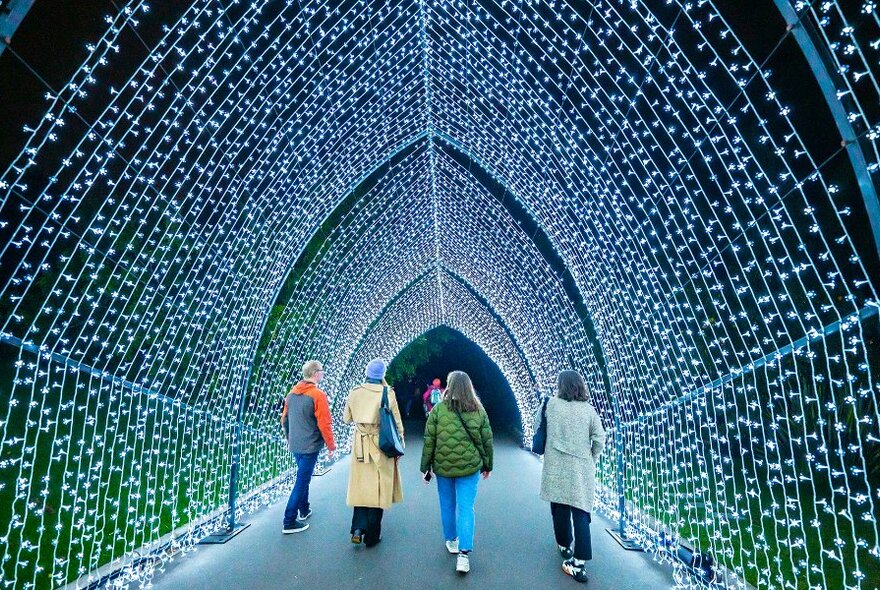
[514,546]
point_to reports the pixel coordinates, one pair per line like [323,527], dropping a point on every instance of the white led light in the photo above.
[692,247]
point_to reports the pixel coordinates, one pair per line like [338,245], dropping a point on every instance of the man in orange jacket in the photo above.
[306,422]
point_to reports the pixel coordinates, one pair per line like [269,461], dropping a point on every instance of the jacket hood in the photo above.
[304,387]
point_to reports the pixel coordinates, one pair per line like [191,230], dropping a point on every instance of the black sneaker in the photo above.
[566,552]
[357,536]
[298,526]
[575,570]
[304,516]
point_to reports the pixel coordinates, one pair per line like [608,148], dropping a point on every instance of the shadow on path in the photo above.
[514,546]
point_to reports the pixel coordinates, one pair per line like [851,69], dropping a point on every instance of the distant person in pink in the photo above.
[432,396]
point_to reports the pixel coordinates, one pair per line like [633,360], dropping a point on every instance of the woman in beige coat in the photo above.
[374,482]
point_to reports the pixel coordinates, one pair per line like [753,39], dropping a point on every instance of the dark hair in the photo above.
[571,387]
[460,395]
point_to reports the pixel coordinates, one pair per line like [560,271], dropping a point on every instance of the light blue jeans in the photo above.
[457,495]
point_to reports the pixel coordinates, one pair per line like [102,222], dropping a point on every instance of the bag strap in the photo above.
[433,452]
[384,403]
[470,436]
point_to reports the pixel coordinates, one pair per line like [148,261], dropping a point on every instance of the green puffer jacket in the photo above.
[448,450]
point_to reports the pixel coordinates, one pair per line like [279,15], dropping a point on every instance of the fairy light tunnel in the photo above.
[723,254]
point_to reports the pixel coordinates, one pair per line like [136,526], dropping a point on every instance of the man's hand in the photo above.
[486,474]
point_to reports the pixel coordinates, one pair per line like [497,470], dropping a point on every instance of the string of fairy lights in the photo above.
[418,305]
[671,155]
[353,272]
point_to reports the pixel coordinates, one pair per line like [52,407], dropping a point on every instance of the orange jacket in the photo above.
[321,410]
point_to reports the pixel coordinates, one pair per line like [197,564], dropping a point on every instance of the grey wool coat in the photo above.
[575,439]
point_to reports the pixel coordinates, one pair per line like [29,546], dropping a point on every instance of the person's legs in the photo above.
[583,550]
[562,524]
[374,526]
[359,520]
[583,546]
[310,467]
[305,467]
[466,493]
[446,491]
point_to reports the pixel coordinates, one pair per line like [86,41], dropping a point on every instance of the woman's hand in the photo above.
[486,474]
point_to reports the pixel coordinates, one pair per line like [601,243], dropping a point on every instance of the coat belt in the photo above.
[366,443]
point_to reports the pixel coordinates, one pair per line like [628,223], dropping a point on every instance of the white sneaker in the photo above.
[463,563]
[452,546]
[297,527]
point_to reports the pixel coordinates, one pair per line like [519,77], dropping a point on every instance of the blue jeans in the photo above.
[299,495]
[457,495]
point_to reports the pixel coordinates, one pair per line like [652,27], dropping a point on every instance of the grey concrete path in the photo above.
[514,546]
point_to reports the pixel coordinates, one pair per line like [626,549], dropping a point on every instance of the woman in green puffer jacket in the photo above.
[458,448]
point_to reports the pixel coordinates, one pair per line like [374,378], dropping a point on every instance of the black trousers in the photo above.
[369,521]
[564,516]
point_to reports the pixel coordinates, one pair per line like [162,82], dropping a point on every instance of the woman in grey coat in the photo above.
[575,439]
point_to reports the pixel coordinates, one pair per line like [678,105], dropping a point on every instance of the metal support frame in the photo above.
[223,535]
[619,534]
[823,69]
[12,13]
[233,527]
[862,315]
[44,352]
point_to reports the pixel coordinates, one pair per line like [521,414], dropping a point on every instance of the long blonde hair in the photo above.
[460,395]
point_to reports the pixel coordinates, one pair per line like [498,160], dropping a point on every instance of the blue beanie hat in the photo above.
[376,369]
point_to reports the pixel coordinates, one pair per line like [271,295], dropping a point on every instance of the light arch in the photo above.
[717,239]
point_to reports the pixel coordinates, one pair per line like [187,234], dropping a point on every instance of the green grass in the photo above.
[755,544]
[105,472]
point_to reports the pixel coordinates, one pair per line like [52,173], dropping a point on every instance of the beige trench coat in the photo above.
[375,479]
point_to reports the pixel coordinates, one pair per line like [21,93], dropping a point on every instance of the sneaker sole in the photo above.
[292,531]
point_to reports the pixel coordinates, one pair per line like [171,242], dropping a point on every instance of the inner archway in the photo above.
[443,349]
